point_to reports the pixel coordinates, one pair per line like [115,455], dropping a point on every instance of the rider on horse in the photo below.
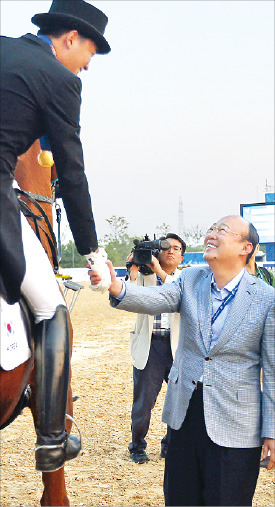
[41,95]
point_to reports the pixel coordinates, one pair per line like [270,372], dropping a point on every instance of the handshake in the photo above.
[102,273]
[97,262]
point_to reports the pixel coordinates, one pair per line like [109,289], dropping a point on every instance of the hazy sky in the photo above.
[182,106]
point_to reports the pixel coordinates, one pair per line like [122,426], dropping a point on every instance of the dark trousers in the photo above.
[147,385]
[200,472]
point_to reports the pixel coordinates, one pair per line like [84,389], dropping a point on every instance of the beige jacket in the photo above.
[140,338]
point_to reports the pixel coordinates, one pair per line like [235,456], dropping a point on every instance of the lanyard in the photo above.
[260,274]
[159,280]
[224,303]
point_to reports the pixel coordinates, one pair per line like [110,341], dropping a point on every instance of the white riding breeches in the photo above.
[39,285]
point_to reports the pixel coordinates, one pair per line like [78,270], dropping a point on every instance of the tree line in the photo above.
[119,243]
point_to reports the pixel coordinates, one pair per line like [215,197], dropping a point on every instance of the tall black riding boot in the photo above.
[52,366]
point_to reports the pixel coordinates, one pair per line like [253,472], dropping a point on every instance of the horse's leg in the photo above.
[54,489]
[54,482]
[55,493]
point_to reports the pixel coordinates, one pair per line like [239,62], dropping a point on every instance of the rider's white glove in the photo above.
[97,261]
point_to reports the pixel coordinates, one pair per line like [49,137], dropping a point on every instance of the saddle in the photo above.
[28,323]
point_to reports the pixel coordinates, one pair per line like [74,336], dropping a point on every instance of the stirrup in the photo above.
[68,416]
[51,457]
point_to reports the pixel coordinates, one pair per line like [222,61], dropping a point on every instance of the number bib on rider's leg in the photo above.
[14,342]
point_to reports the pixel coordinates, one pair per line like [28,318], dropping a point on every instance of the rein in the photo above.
[34,198]
[39,198]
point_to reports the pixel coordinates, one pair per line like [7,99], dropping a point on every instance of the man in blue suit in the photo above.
[219,414]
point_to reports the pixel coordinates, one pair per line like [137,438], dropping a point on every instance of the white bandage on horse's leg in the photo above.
[39,285]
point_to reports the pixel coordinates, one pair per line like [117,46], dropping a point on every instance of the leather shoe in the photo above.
[163,452]
[52,457]
[139,456]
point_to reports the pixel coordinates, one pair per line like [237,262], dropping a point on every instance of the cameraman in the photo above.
[153,345]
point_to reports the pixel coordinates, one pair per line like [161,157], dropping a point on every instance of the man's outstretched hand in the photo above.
[116,284]
[269,446]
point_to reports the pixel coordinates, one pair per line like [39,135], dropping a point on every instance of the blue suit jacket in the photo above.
[238,410]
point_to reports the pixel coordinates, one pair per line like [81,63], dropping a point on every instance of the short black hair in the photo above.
[253,237]
[175,236]
[54,29]
[57,30]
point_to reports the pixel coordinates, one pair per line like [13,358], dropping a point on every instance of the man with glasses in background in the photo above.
[153,345]
[219,415]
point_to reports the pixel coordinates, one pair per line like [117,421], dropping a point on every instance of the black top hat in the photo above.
[76,15]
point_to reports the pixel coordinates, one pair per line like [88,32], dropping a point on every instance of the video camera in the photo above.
[143,251]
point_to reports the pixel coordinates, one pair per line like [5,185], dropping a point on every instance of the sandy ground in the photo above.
[102,380]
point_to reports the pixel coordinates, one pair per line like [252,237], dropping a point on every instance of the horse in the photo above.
[35,182]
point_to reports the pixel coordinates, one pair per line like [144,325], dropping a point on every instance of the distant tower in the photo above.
[181,224]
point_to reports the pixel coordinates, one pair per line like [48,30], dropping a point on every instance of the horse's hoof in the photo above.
[52,457]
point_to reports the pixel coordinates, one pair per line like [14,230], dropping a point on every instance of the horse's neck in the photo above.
[30,175]
[36,179]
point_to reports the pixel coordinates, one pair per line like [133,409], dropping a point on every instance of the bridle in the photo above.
[34,198]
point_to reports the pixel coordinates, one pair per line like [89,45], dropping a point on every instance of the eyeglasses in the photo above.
[222,229]
[175,248]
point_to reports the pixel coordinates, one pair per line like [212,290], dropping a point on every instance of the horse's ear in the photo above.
[53,173]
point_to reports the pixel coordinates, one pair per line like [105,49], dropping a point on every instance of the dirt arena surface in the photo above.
[102,380]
